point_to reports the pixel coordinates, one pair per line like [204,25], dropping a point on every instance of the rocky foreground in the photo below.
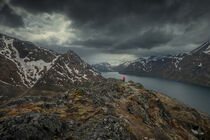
[103,110]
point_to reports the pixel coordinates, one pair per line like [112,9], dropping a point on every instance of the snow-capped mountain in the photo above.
[24,65]
[31,62]
[192,67]
[204,48]
[106,67]
[103,67]
[68,71]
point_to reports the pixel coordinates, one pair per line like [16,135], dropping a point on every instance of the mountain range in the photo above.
[191,67]
[46,95]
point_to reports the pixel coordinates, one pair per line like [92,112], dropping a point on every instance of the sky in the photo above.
[111,31]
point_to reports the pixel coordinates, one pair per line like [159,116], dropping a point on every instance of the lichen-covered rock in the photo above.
[31,126]
[109,127]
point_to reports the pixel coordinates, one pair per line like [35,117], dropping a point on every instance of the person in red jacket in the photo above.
[123,78]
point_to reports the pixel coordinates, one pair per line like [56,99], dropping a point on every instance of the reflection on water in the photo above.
[196,96]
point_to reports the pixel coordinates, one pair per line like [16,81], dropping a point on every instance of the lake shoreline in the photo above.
[161,78]
[190,94]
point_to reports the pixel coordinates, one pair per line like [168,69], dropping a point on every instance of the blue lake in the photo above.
[193,95]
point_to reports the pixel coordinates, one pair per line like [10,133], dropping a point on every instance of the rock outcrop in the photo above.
[109,109]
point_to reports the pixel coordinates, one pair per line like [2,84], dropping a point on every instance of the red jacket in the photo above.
[123,78]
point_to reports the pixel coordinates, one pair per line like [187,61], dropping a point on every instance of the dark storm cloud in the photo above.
[94,43]
[104,11]
[8,17]
[148,40]
[116,25]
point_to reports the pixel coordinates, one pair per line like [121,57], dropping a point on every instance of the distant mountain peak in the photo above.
[204,48]
[103,67]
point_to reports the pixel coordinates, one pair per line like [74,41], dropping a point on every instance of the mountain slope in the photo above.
[29,61]
[204,48]
[68,71]
[24,65]
[193,67]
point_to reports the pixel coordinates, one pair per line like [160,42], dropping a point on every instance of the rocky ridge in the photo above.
[104,110]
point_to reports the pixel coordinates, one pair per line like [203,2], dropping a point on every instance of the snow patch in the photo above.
[29,71]
[177,61]
[200,65]
[85,76]
[76,71]
[207,51]
[69,70]
[94,73]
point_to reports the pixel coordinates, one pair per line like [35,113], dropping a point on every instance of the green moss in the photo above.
[79,92]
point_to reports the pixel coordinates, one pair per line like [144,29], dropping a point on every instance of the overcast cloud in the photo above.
[109,30]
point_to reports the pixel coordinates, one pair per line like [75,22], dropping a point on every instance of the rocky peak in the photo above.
[28,65]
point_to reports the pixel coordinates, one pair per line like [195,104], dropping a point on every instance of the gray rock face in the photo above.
[108,128]
[31,126]
[107,92]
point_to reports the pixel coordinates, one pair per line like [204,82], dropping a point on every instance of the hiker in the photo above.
[123,78]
